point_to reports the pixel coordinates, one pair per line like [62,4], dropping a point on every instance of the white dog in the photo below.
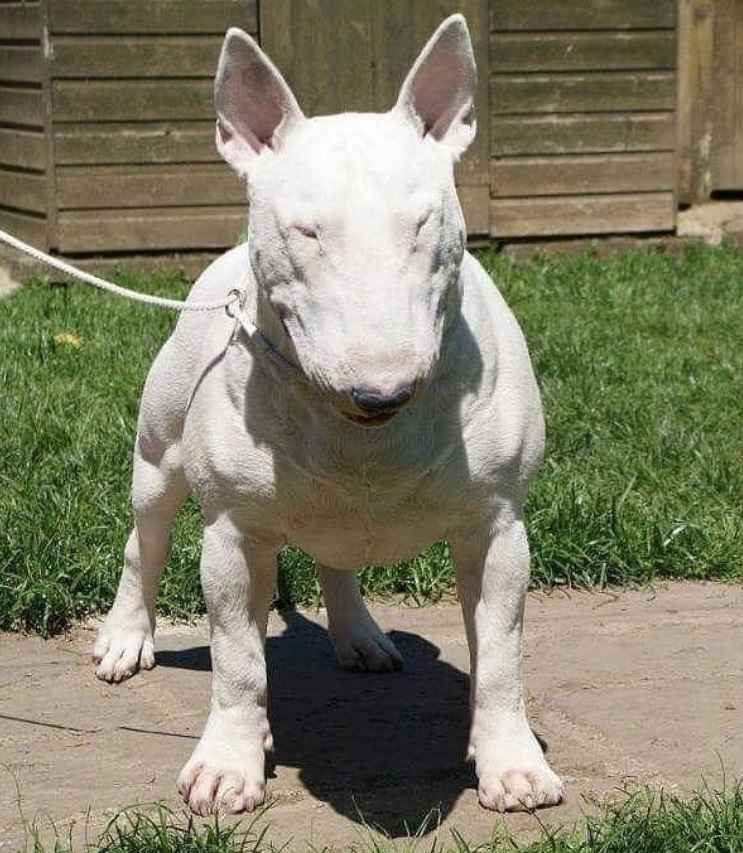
[385,400]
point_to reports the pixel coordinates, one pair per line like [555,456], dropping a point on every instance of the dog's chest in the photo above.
[355,498]
[348,495]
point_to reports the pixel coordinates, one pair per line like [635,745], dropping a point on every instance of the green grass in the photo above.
[645,821]
[639,360]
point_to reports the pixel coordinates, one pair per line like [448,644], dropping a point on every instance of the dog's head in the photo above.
[356,235]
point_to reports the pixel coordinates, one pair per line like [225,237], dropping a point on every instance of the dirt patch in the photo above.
[640,686]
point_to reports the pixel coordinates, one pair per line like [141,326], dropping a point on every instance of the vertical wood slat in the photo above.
[51,171]
[695,97]
[727,110]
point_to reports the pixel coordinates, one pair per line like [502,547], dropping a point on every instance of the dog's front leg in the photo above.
[492,568]
[227,767]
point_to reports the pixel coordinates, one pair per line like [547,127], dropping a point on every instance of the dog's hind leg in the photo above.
[359,642]
[125,640]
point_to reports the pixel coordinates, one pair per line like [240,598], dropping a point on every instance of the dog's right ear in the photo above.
[255,107]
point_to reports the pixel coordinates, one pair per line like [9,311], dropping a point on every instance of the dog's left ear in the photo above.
[438,94]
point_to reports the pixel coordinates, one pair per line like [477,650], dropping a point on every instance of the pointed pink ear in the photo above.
[439,92]
[255,107]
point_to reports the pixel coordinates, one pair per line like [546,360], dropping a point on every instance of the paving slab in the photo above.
[637,686]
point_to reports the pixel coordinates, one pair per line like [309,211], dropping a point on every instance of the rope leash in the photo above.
[233,304]
[234,296]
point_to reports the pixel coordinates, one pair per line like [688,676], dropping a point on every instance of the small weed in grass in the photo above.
[639,360]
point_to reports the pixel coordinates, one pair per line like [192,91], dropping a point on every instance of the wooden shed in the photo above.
[594,116]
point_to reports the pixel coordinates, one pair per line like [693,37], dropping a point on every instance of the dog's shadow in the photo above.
[383,749]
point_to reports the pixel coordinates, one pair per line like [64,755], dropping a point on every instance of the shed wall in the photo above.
[23,149]
[583,100]
[133,125]
[106,127]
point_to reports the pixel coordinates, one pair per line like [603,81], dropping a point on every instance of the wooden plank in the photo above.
[132,100]
[395,34]
[104,57]
[475,201]
[86,188]
[19,22]
[583,215]
[22,149]
[152,17]
[20,63]
[614,91]
[24,191]
[167,229]
[323,49]
[588,133]
[30,229]
[588,174]
[154,142]
[548,15]
[593,51]
[727,102]
[191,263]
[695,99]
[21,107]
[48,108]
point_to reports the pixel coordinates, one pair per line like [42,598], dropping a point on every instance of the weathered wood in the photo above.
[589,174]
[132,100]
[549,15]
[575,134]
[166,229]
[20,63]
[105,57]
[570,51]
[190,263]
[583,215]
[695,99]
[22,149]
[150,17]
[23,191]
[21,107]
[153,142]
[19,22]
[727,109]
[84,188]
[513,94]
[48,110]
[475,201]
[31,229]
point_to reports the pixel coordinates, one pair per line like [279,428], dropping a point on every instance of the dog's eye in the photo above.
[307,231]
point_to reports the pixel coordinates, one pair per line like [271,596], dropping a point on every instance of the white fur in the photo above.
[357,277]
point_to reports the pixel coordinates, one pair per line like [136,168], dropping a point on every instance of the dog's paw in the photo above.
[225,772]
[365,647]
[517,789]
[515,777]
[122,648]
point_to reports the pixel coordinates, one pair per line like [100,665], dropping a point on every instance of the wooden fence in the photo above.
[594,116]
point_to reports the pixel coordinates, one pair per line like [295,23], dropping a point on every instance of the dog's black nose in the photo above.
[373,402]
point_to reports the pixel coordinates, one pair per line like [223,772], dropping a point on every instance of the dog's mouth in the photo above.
[369,420]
